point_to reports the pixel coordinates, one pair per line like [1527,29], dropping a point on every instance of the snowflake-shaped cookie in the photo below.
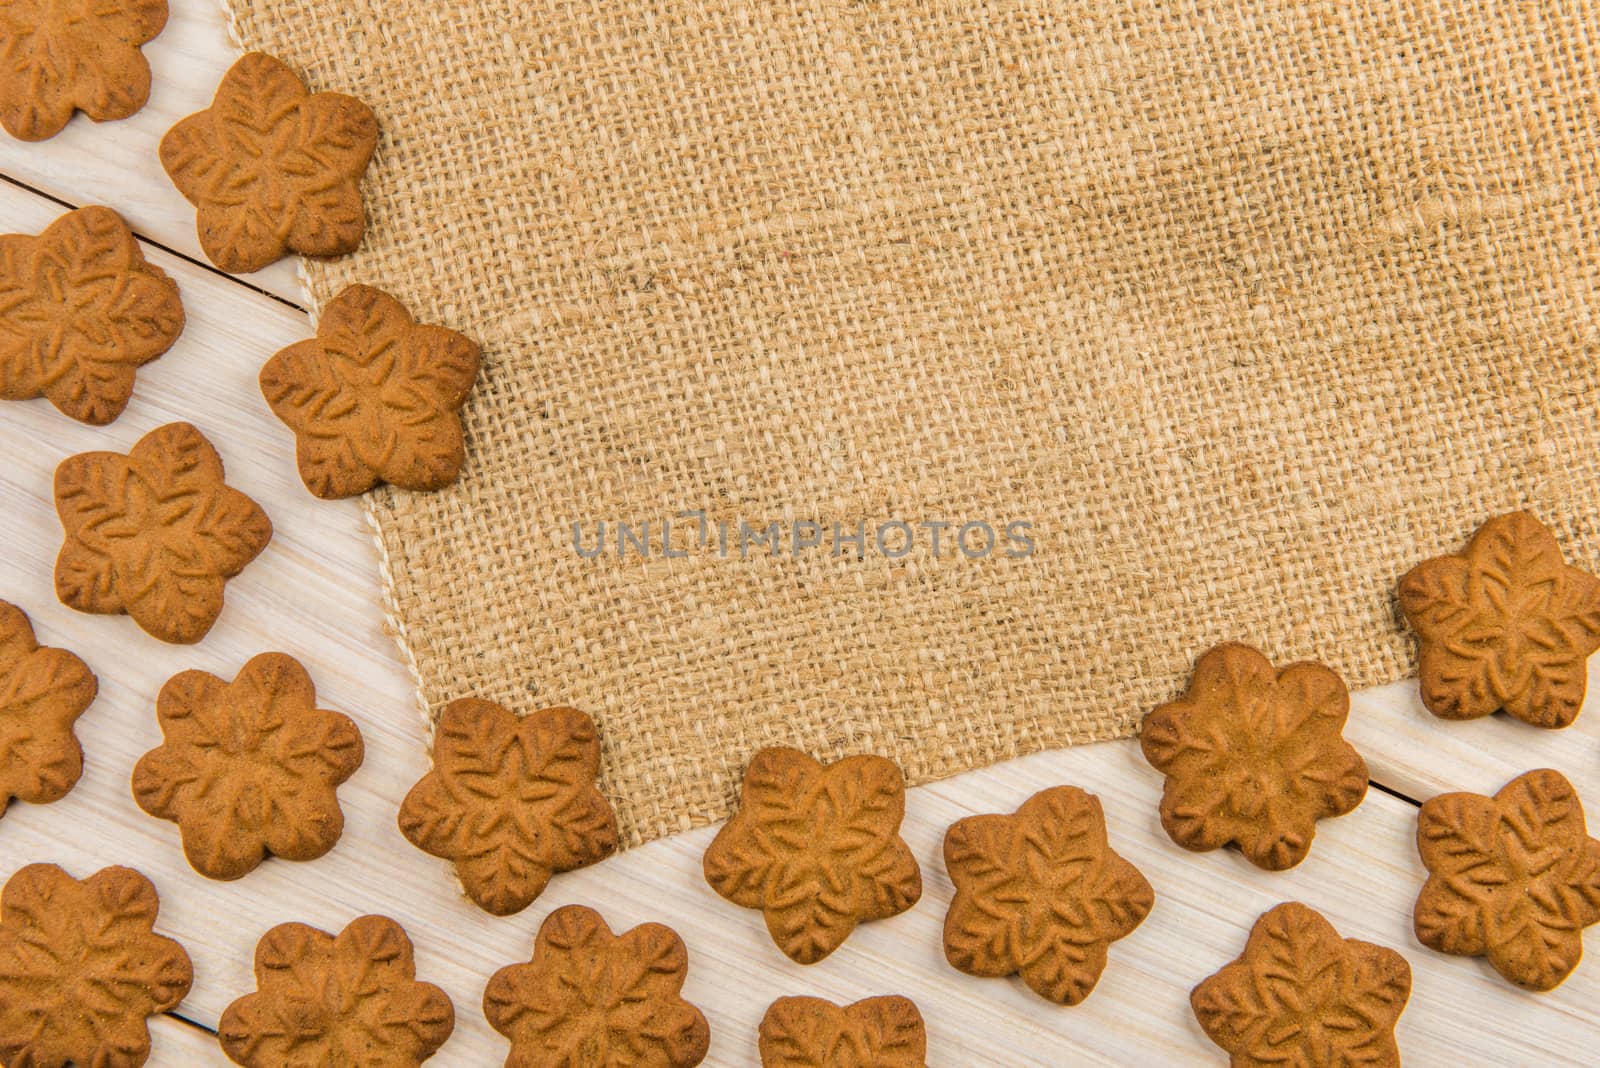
[82,969]
[511,801]
[1040,894]
[817,849]
[271,168]
[325,1001]
[1301,995]
[1514,878]
[1254,756]
[83,312]
[801,1032]
[42,694]
[374,397]
[61,56]
[598,999]
[1507,624]
[154,534]
[249,768]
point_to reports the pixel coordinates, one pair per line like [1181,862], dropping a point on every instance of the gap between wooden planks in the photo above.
[314,594]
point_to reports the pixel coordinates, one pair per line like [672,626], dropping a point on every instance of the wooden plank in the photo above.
[115,163]
[1413,752]
[175,1041]
[314,594]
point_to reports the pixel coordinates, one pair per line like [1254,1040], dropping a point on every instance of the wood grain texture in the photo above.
[175,1041]
[314,593]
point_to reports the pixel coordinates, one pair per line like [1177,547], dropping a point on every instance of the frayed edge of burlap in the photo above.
[395,628]
[393,625]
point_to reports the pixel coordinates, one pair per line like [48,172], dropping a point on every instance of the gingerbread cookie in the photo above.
[271,168]
[82,969]
[1254,756]
[42,694]
[326,1000]
[154,534]
[84,312]
[1302,995]
[510,801]
[61,56]
[598,999]
[817,849]
[1506,624]
[1514,878]
[249,768]
[884,1032]
[1040,894]
[374,397]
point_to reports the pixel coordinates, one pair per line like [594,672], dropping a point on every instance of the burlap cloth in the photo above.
[1246,307]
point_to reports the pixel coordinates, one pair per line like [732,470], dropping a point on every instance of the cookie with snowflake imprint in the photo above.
[1302,995]
[346,999]
[250,768]
[43,691]
[61,56]
[84,311]
[1514,878]
[82,969]
[272,168]
[1254,756]
[1505,624]
[510,801]
[816,848]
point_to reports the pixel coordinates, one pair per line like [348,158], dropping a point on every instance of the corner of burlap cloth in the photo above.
[1244,307]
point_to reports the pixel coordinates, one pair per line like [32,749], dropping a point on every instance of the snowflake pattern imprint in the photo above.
[82,969]
[61,56]
[271,168]
[82,312]
[42,693]
[1254,756]
[598,999]
[154,534]
[1041,894]
[510,801]
[882,1032]
[1506,624]
[1302,995]
[817,849]
[1514,878]
[330,1001]
[249,768]
[374,397]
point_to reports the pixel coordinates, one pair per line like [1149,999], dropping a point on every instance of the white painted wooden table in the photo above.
[314,593]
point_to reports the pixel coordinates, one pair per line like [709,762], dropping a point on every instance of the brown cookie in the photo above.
[271,168]
[83,312]
[42,694]
[154,534]
[248,768]
[1515,878]
[81,968]
[817,849]
[58,57]
[1506,624]
[884,1032]
[374,397]
[510,801]
[1254,756]
[1040,894]
[350,999]
[598,999]
[1302,995]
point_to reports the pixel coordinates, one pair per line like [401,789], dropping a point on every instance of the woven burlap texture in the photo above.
[1247,307]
